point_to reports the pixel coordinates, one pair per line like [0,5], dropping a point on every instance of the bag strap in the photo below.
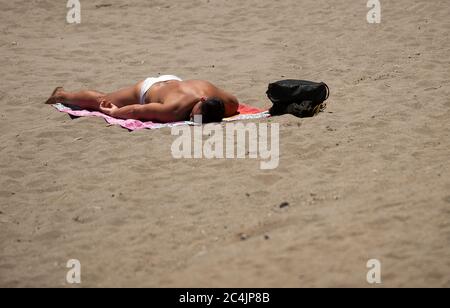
[328,91]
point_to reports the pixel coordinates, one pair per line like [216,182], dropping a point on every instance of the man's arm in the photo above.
[231,106]
[151,112]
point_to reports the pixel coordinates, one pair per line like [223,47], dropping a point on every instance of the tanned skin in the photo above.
[168,101]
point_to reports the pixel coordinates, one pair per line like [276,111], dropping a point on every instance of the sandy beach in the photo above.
[369,178]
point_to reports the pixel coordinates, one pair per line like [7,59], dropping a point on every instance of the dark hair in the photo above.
[213,110]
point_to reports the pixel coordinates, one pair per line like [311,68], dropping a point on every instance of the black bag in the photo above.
[298,97]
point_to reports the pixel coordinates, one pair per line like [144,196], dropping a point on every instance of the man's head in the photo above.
[212,109]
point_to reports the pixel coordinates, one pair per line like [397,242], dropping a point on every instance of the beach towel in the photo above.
[245,113]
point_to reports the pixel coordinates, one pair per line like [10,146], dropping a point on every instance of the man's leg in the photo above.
[82,99]
[125,97]
[93,99]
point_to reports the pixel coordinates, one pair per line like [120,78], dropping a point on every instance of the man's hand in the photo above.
[108,108]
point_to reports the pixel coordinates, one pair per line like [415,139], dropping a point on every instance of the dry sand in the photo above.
[369,178]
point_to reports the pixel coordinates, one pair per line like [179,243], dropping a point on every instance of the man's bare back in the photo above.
[186,94]
[167,101]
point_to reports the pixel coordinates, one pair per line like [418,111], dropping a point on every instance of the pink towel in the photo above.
[245,112]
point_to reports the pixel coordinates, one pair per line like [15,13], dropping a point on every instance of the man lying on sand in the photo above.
[162,99]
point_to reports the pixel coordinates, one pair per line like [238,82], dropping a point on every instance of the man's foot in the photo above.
[56,97]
